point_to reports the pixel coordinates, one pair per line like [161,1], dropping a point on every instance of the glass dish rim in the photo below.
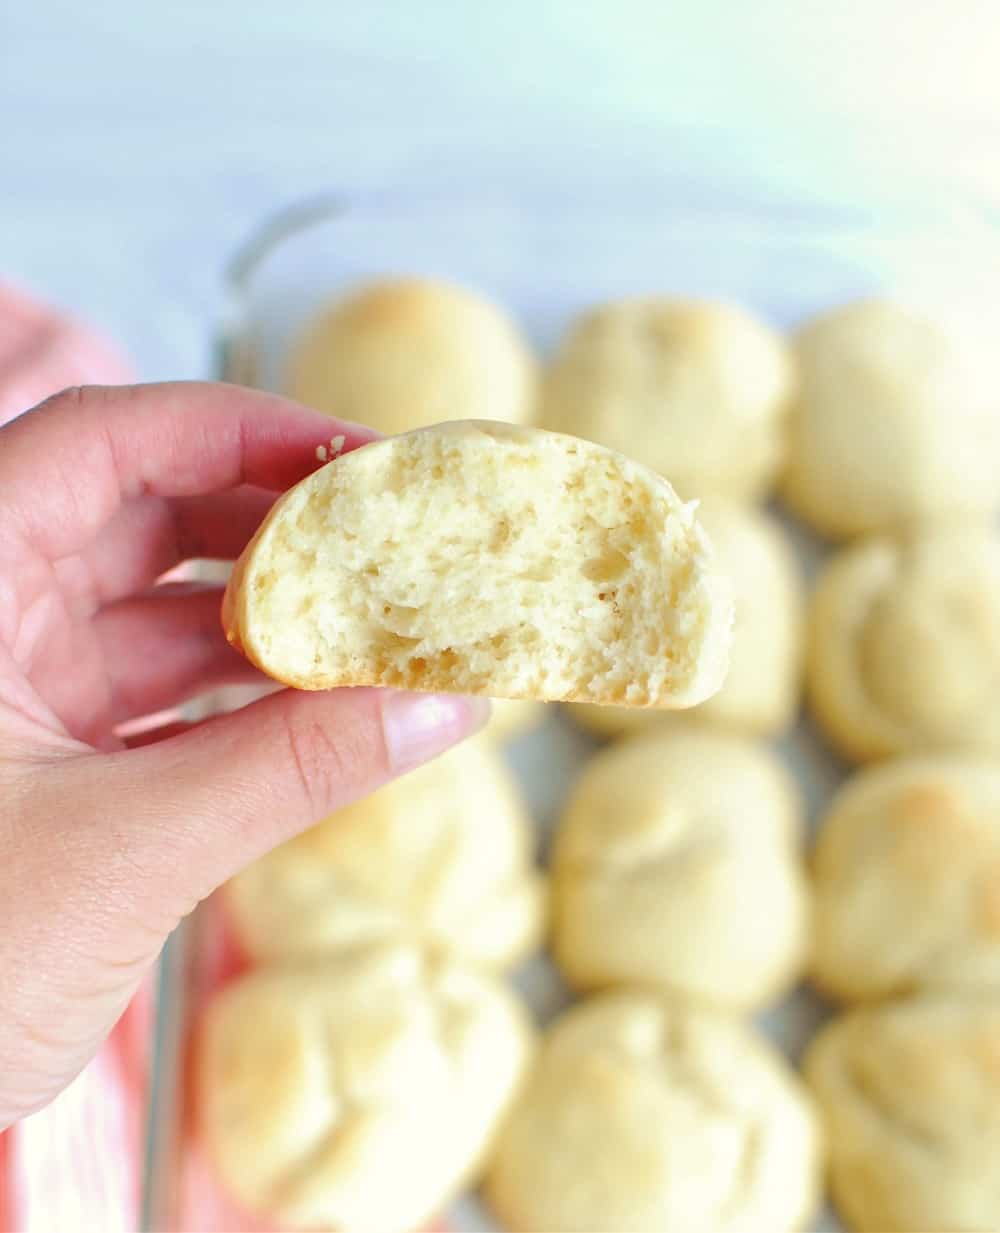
[756,222]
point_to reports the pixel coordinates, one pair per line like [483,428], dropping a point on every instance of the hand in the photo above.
[103,848]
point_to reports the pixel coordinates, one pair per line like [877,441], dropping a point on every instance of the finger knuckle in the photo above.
[325,762]
[78,398]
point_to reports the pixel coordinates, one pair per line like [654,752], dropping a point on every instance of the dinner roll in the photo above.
[360,1093]
[698,390]
[646,1115]
[904,644]
[485,559]
[907,869]
[910,1092]
[441,856]
[897,421]
[677,864]
[408,352]
[761,691]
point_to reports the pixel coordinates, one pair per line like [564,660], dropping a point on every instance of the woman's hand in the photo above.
[103,848]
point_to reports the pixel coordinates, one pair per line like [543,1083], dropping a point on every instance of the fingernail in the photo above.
[419,726]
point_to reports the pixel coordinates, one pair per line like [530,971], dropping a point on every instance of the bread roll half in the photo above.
[482,558]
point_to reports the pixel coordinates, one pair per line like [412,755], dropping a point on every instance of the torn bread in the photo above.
[482,558]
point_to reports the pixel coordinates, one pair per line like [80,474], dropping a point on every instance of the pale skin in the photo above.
[106,843]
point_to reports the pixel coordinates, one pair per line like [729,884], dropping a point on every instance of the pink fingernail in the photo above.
[419,726]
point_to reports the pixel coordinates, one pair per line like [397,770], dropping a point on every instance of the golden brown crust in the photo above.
[229,613]
[403,353]
[904,644]
[910,1092]
[677,865]
[698,389]
[907,878]
[358,1093]
[441,857]
[643,1113]
[896,419]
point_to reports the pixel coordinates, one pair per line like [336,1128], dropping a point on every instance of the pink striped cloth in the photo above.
[77,1164]
[74,1165]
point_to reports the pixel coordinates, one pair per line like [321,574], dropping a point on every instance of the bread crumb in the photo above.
[321,453]
[336,446]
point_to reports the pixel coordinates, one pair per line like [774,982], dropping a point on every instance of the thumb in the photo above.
[207,802]
[107,852]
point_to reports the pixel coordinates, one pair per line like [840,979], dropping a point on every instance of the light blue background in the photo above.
[140,141]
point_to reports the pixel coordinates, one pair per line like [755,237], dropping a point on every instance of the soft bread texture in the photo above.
[897,420]
[678,864]
[643,1115]
[699,390]
[485,559]
[408,352]
[441,857]
[761,691]
[359,1094]
[907,877]
[904,644]
[910,1093]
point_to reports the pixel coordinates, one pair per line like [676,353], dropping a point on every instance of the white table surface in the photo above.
[140,141]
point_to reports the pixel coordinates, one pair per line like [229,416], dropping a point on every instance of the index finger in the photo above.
[69,464]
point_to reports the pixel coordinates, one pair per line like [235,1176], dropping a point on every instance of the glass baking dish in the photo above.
[546,259]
